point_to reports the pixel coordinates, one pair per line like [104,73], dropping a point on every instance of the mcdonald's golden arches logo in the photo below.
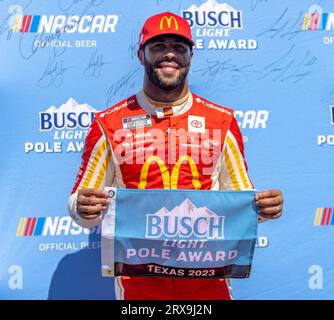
[168,21]
[169,181]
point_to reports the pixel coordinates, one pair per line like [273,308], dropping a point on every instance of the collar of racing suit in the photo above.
[165,109]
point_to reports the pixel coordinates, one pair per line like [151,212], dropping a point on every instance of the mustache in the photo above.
[168,60]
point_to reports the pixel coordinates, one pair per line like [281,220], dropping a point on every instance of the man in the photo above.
[135,144]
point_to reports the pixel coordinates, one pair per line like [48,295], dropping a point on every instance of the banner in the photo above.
[179,233]
[270,61]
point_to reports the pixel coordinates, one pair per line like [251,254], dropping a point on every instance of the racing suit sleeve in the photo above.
[234,171]
[233,174]
[96,171]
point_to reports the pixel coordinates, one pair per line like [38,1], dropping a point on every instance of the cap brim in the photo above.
[190,42]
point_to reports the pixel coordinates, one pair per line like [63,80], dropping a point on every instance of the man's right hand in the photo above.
[91,203]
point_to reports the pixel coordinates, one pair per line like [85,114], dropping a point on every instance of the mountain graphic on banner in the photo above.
[211,5]
[71,106]
[186,209]
[186,217]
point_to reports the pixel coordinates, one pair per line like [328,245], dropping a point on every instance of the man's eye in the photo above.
[158,46]
[180,47]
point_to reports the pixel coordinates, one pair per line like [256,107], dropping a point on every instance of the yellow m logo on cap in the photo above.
[169,21]
[169,181]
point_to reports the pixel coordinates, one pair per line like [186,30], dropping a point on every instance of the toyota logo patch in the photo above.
[196,124]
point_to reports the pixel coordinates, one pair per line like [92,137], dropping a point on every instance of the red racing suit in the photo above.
[139,143]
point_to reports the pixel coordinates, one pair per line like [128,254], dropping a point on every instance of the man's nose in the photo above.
[169,53]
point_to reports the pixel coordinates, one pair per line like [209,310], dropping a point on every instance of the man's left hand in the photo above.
[270,203]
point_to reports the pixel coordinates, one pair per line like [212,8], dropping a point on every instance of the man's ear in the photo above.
[140,54]
[191,55]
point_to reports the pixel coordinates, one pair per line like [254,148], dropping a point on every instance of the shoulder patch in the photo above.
[117,107]
[214,106]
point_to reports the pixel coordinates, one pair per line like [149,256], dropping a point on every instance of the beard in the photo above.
[165,83]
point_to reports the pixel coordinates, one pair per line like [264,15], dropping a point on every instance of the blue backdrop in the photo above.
[269,60]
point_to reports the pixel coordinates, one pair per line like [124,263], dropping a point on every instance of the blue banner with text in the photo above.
[182,233]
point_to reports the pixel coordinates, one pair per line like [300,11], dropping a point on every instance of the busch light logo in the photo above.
[70,115]
[214,14]
[69,124]
[215,21]
[185,221]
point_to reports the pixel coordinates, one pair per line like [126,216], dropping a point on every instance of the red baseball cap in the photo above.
[165,23]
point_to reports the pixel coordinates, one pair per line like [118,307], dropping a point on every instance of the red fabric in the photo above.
[148,288]
[168,145]
[165,23]
[153,288]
